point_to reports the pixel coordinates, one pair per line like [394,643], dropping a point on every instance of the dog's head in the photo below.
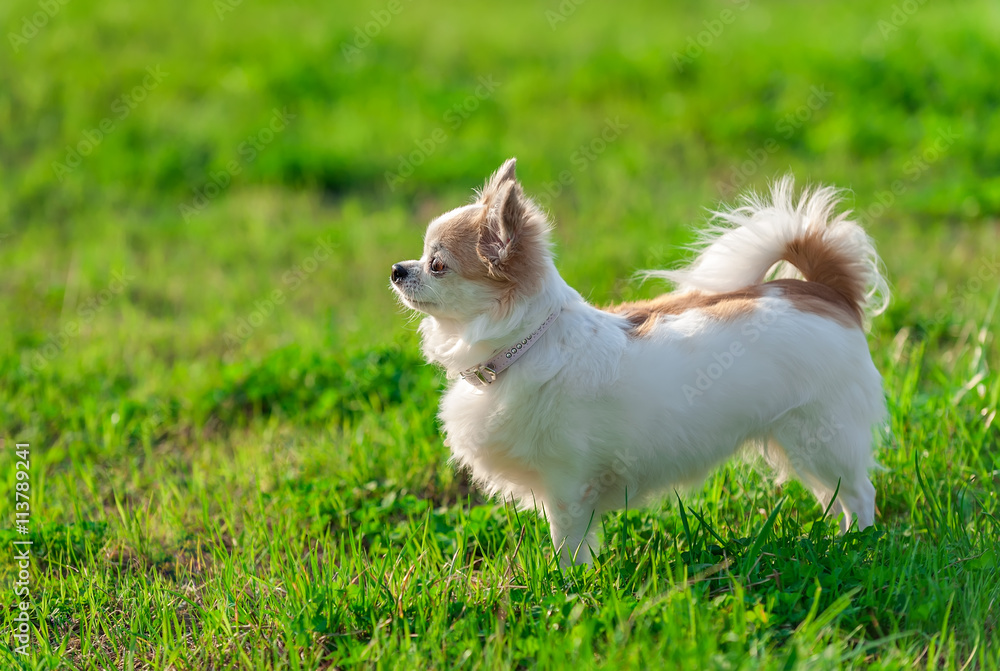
[481,258]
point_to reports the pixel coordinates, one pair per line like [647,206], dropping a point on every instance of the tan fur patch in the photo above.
[811,297]
[820,299]
[521,240]
[823,263]
[505,173]
[644,315]
[526,264]
[459,237]
[513,242]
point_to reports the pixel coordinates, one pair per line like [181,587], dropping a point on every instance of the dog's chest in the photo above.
[491,427]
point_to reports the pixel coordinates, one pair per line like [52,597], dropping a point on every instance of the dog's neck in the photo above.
[458,346]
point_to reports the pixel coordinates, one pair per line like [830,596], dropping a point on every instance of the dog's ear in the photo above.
[504,173]
[504,223]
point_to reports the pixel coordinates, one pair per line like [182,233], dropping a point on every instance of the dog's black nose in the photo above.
[398,273]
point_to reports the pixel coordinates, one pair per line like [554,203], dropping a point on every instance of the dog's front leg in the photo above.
[573,531]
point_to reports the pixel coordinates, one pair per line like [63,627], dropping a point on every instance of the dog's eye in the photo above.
[437,265]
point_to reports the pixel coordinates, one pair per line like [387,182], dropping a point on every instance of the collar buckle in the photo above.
[485,374]
[480,376]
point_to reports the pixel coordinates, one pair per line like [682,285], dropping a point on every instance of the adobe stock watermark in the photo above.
[913,169]
[36,360]
[810,440]
[33,24]
[621,475]
[291,280]
[561,13]
[248,150]
[785,128]
[22,548]
[364,34]
[985,277]
[900,14]
[223,7]
[699,42]
[580,159]
[453,119]
[723,361]
[121,108]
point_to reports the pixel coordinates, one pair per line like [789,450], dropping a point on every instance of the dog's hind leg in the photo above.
[828,456]
[858,497]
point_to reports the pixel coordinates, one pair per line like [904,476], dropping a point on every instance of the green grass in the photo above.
[235,461]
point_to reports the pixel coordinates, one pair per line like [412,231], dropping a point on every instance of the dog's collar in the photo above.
[485,374]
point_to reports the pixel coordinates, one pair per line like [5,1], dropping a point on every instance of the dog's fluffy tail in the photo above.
[747,244]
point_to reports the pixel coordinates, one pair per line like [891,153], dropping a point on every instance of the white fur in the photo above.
[590,420]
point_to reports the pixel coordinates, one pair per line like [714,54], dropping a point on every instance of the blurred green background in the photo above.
[200,203]
[832,92]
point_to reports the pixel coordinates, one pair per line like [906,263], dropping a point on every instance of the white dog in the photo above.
[579,410]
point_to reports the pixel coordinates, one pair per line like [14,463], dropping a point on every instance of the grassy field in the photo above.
[234,461]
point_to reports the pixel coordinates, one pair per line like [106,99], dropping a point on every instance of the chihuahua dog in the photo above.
[579,410]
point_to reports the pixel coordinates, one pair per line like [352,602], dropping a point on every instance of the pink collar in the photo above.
[485,374]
